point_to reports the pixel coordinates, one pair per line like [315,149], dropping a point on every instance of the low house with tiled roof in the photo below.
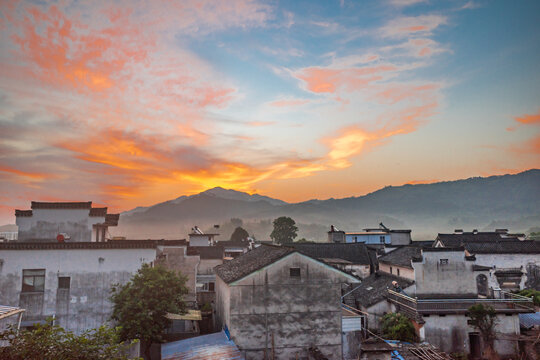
[357,258]
[275,299]
[371,296]
[399,261]
[514,263]
[71,281]
[64,221]
[448,281]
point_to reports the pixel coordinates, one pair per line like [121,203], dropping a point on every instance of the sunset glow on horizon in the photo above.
[131,103]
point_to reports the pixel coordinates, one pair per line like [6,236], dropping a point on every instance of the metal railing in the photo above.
[509,303]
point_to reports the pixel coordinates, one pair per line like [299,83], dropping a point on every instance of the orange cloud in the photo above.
[353,140]
[533,119]
[529,119]
[66,52]
[29,175]
[327,80]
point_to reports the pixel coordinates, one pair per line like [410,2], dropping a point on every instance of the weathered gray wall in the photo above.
[86,304]
[451,333]
[400,238]
[403,271]
[297,312]
[46,224]
[175,258]
[502,261]
[454,278]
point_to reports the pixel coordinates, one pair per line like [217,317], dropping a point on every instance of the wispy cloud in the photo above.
[405,26]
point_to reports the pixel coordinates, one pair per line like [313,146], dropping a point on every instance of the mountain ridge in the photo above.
[426,208]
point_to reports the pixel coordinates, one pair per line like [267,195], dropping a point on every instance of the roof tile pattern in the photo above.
[251,261]
[61,205]
[98,211]
[373,289]
[356,253]
[402,256]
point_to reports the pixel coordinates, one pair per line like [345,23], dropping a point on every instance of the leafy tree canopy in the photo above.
[284,230]
[535,294]
[140,305]
[52,342]
[396,326]
[239,234]
[303,240]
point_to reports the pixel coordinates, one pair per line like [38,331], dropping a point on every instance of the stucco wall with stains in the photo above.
[294,313]
[92,273]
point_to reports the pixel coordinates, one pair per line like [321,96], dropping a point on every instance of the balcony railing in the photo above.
[415,308]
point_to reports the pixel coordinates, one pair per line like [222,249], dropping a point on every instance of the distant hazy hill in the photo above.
[508,201]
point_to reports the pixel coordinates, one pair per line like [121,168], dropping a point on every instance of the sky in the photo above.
[131,103]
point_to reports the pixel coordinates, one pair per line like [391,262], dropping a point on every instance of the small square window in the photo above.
[33,280]
[381,239]
[64,282]
[294,272]
[443,261]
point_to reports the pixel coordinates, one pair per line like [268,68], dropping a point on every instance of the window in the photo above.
[208,286]
[64,282]
[355,239]
[294,272]
[390,269]
[443,261]
[381,239]
[33,280]
[397,272]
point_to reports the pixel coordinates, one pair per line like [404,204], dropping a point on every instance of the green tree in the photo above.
[484,318]
[284,230]
[535,294]
[52,342]
[396,326]
[239,234]
[304,241]
[140,305]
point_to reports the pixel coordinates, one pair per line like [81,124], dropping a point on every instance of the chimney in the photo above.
[458,231]
[501,231]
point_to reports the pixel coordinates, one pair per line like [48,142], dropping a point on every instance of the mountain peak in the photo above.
[239,195]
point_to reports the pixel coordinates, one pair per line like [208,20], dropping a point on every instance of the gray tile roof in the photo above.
[402,256]
[356,253]
[503,247]
[455,240]
[373,289]
[251,261]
